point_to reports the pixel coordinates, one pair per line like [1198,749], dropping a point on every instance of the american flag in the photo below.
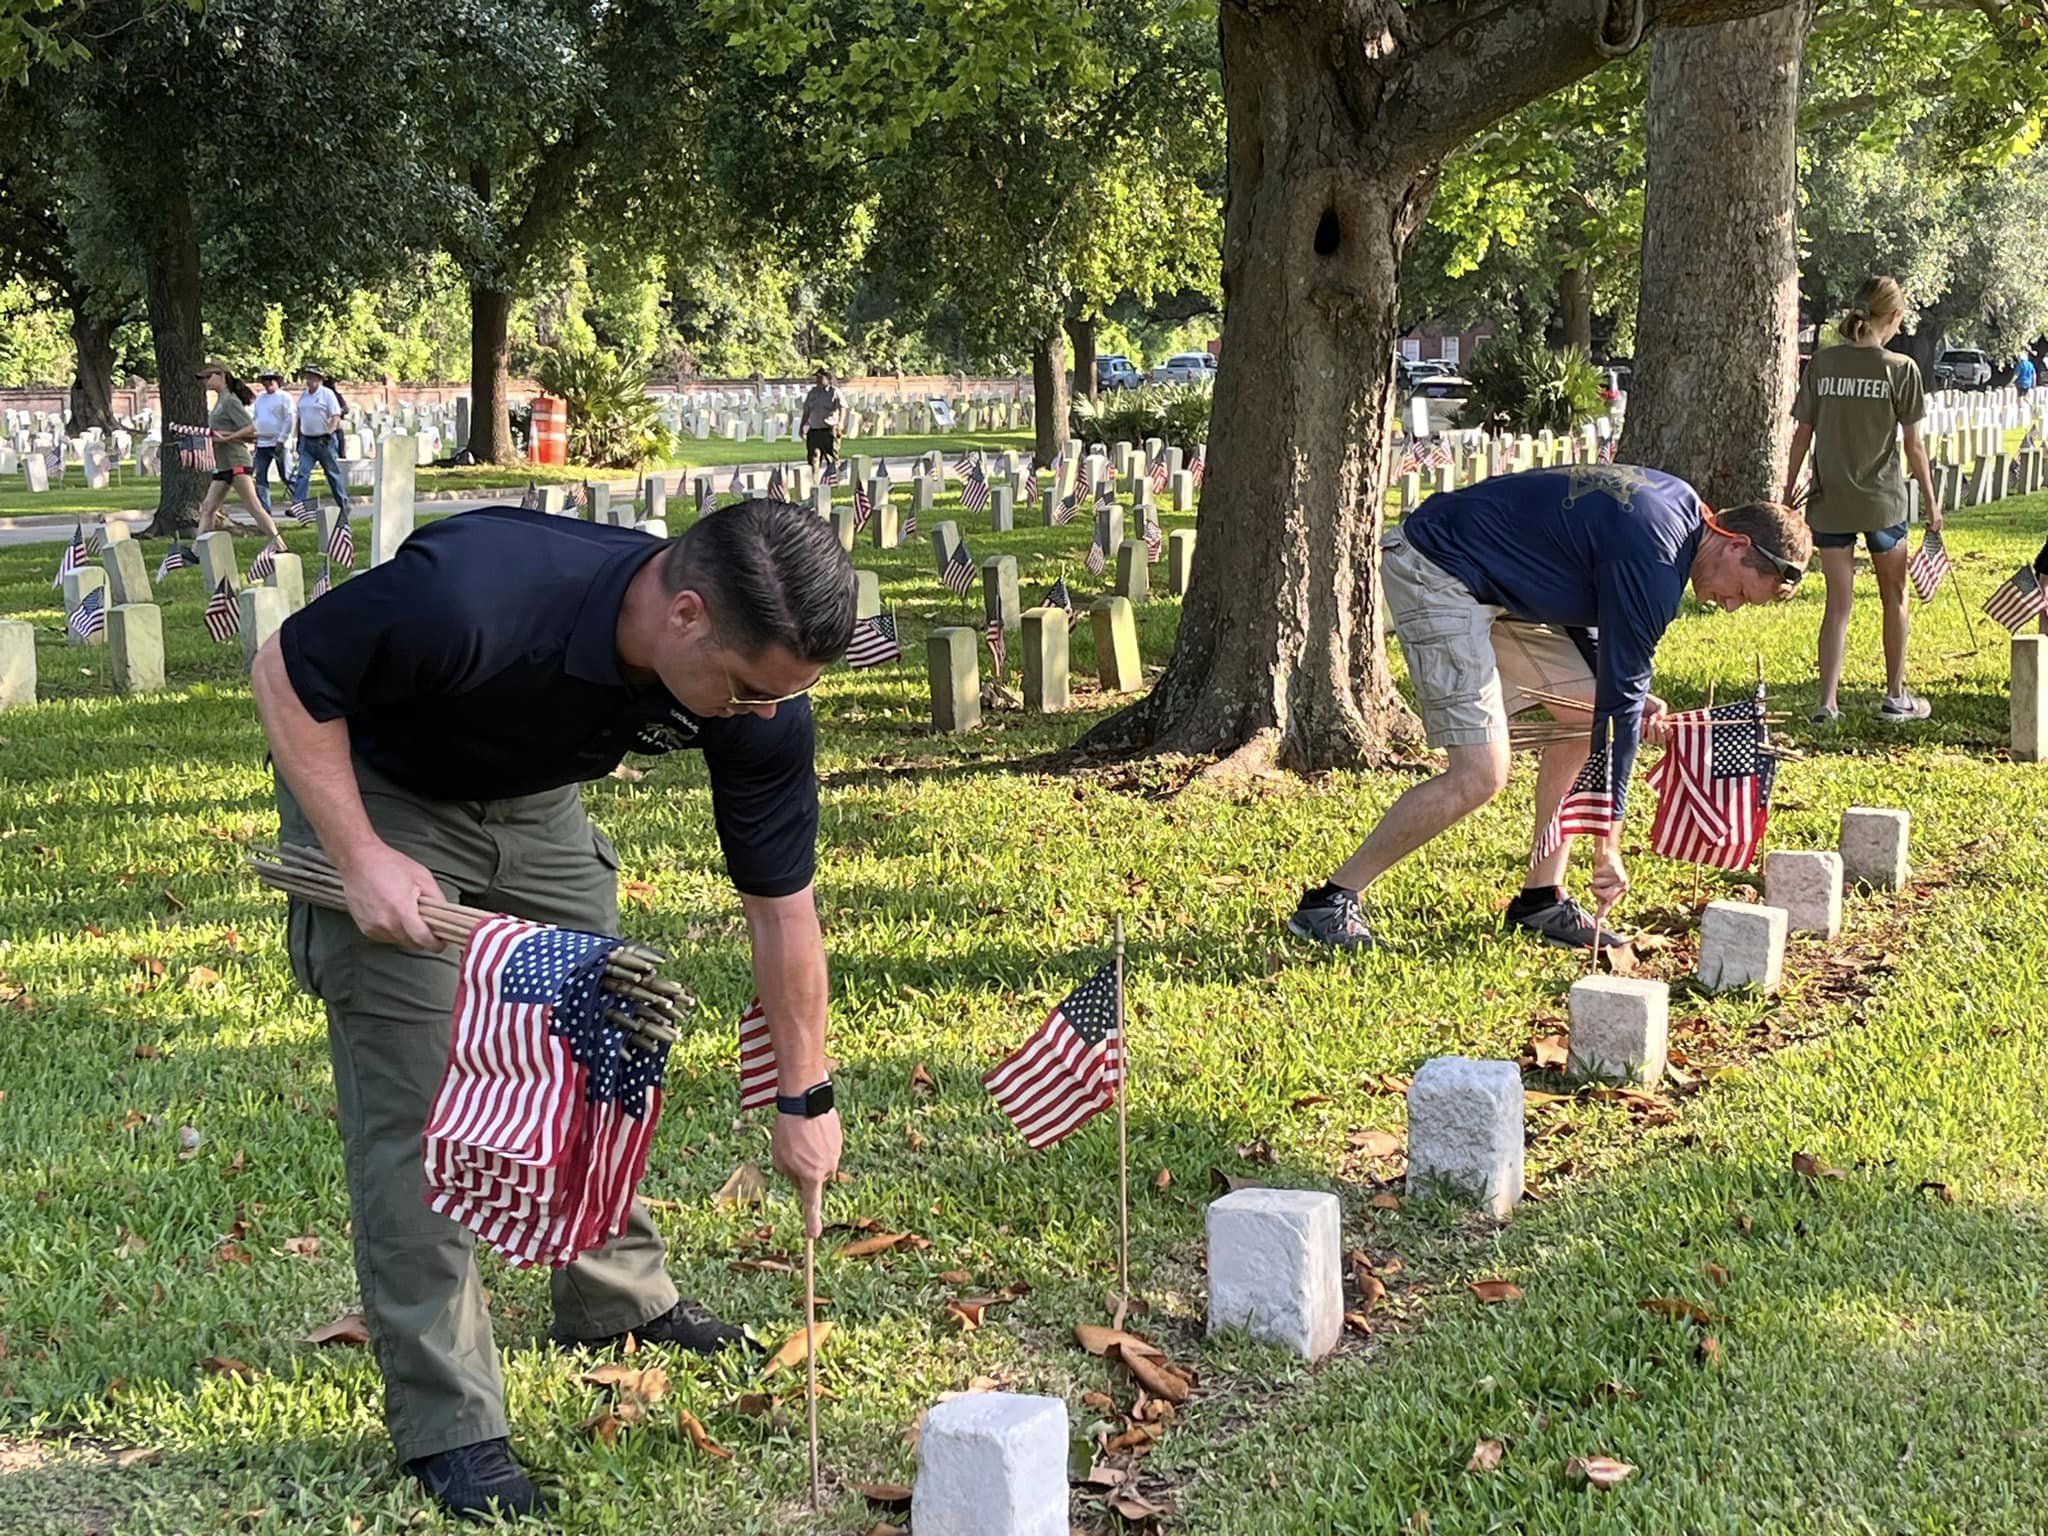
[192,441]
[341,545]
[705,495]
[757,1059]
[874,642]
[96,543]
[74,555]
[962,466]
[1095,560]
[997,653]
[1068,1071]
[1197,466]
[958,573]
[909,529]
[1607,447]
[1030,494]
[89,618]
[737,485]
[54,459]
[863,508]
[1713,786]
[1929,564]
[1083,485]
[1153,537]
[882,472]
[326,582]
[1105,495]
[1057,596]
[530,502]
[176,558]
[264,563]
[223,616]
[2017,600]
[1066,511]
[974,494]
[542,1122]
[302,509]
[1156,477]
[777,490]
[1588,806]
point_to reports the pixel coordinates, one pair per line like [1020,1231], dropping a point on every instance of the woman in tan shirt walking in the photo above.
[1855,401]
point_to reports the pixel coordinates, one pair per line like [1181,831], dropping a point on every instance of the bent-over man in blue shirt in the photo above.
[431,721]
[1560,582]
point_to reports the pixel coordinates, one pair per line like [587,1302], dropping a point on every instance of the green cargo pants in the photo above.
[388,1010]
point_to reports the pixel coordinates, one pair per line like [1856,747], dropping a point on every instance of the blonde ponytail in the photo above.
[1877,302]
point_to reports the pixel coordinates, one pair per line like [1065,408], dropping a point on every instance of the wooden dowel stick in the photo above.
[1123,1141]
[811,1354]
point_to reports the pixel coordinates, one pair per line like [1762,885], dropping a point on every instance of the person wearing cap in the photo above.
[273,412]
[432,722]
[823,416]
[234,429]
[319,412]
[1497,592]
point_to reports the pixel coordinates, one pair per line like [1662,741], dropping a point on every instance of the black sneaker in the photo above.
[1335,921]
[684,1325]
[1564,923]
[477,1482]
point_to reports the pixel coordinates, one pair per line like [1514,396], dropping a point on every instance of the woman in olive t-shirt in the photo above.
[1853,403]
[234,429]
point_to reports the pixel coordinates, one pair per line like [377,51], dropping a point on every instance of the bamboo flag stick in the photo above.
[1123,1141]
[1698,872]
[811,1353]
[1956,585]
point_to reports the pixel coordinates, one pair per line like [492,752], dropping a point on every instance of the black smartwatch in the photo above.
[809,1104]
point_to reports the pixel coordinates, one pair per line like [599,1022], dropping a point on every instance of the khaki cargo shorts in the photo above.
[1471,664]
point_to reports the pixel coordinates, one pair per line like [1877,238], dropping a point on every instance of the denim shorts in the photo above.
[1880,540]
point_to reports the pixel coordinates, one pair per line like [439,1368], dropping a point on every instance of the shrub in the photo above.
[613,422]
[1524,386]
[1177,414]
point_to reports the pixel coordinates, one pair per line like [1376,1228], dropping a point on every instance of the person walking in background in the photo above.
[234,429]
[2023,375]
[823,418]
[319,412]
[273,412]
[1855,400]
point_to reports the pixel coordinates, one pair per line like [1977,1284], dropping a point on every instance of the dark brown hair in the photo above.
[770,574]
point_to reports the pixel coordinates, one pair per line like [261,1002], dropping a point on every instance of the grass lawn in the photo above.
[1878,1339]
[72,499]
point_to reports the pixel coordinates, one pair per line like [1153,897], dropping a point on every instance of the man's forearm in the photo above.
[313,756]
[790,976]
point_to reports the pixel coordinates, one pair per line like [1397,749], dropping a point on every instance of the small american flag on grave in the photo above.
[176,558]
[1588,806]
[223,616]
[874,642]
[2018,599]
[959,572]
[1057,596]
[89,618]
[73,558]
[863,508]
[1068,1071]
[997,654]
[777,491]
[974,494]
[546,1110]
[757,1059]
[301,511]
[341,545]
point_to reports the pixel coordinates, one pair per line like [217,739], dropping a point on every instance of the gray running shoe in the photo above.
[1565,924]
[1906,707]
[1335,921]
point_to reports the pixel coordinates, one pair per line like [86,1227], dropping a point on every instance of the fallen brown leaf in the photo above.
[762,1266]
[1533,1098]
[231,1253]
[794,1349]
[1600,1471]
[1303,1101]
[1371,1292]
[304,1247]
[201,976]
[1154,1374]
[1221,1183]
[1493,1292]
[604,1427]
[745,1186]
[1615,1391]
[1357,1322]
[1139,1437]
[1132,1507]
[1100,1476]
[137,1456]
[1708,1350]
[1740,1217]
[647,1383]
[1162,1178]
[1101,1402]
[955,1276]
[888,1495]
[1387,1083]
[1384,1202]
[868,1247]
[1807,1166]
[149,963]
[688,1423]
[1376,1143]
[1485,1456]
[1098,1340]
[884,1528]
[1548,1052]
[349,1328]
[921,1080]
[1948,1196]
[966,1313]
[754,1405]
[227,1365]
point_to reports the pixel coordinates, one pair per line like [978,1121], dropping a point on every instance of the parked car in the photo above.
[1186,368]
[1962,368]
[1116,372]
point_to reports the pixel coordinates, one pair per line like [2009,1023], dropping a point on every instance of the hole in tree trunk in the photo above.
[1328,233]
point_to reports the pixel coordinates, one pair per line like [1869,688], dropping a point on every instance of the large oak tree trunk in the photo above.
[92,383]
[490,424]
[1280,647]
[1575,300]
[1049,385]
[171,298]
[1081,332]
[1718,351]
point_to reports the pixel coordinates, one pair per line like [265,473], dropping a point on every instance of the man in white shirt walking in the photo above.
[823,417]
[319,413]
[273,412]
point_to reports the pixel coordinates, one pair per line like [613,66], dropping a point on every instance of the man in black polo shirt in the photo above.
[430,721]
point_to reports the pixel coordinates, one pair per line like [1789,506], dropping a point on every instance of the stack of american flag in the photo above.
[192,450]
[546,1110]
[1713,786]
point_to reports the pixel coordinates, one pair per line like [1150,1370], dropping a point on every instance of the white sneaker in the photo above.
[1908,705]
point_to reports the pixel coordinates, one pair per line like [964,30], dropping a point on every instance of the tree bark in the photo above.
[1049,385]
[1081,332]
[171,297]
[92,384]
[1575,300]
[1717,358]
[490,422]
